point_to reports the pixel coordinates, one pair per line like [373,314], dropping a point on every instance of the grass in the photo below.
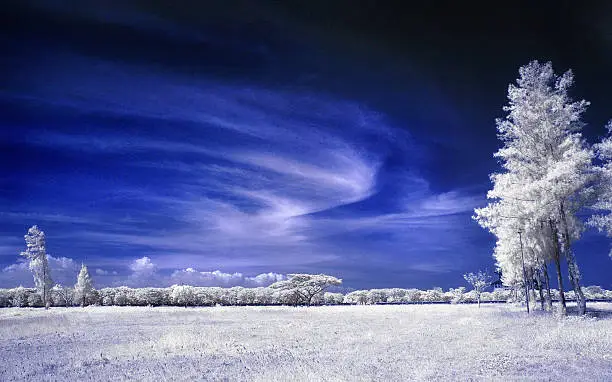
[336,343]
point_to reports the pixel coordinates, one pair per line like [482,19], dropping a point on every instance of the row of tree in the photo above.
[549,176]
[185,295]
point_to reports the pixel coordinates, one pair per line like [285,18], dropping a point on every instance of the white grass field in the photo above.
[336,343]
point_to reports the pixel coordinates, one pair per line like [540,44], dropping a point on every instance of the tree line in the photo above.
[298,289]
[186,295]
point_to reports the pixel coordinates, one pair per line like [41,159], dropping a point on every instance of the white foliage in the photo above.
[602,220]
[546,177]
[479,281]
[84,287]
[302,288]
[37,254]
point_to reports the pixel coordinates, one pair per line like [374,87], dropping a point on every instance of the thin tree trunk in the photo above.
[45,287]
[539,283]
[547,284]
[572,265]
[541,297]
[555,239]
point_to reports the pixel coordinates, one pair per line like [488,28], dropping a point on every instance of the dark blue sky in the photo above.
[158,143]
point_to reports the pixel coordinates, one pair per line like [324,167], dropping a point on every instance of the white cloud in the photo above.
[142,266]
[287,172]
[63,270]
[146,273]
[191,276]
[264,279]
[101,272]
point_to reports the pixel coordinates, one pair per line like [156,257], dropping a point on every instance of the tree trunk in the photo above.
[547,284]
[572,265]
[555,239]
[539,282]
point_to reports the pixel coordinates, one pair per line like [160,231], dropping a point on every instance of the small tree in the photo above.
[306,287]
[479,281]
[37,254]
[84,286]
[457,294]
[20,297]
[182,295]
[64,294]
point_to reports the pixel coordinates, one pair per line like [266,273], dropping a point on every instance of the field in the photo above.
[335,343]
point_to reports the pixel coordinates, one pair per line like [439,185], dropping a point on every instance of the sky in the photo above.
[234,142]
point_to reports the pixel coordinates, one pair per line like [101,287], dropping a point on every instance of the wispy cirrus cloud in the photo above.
[233,177]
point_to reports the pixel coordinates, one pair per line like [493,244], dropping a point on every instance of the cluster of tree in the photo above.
[36,253]
[549,174]
[185,295]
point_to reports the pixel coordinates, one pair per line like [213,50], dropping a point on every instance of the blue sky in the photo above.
[230,151]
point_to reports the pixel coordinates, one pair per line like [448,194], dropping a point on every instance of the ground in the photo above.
[335,343]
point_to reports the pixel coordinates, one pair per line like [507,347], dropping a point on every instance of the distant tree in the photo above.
[34,300]
[479,281]
[64,294]
[333,298]
[20,297]
[183,295]
[457,294]
[37,254]
[306,287]
[84,286]
[376,296]
[359,297]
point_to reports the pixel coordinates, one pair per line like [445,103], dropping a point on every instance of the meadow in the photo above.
[326,343]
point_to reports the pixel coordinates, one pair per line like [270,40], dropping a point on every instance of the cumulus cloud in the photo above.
[64,270]
[264,279]
[144,272]
[142,266]
[141,272]
[191,276]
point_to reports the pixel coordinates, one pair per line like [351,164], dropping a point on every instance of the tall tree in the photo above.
[84,286]
[602,219]
[36,252]
[547,166]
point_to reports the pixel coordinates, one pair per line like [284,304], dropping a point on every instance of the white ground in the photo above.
[347,343]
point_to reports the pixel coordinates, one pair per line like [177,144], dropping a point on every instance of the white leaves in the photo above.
[479,280]
[545,165]
[84,286]
[36,253]
[302,288]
